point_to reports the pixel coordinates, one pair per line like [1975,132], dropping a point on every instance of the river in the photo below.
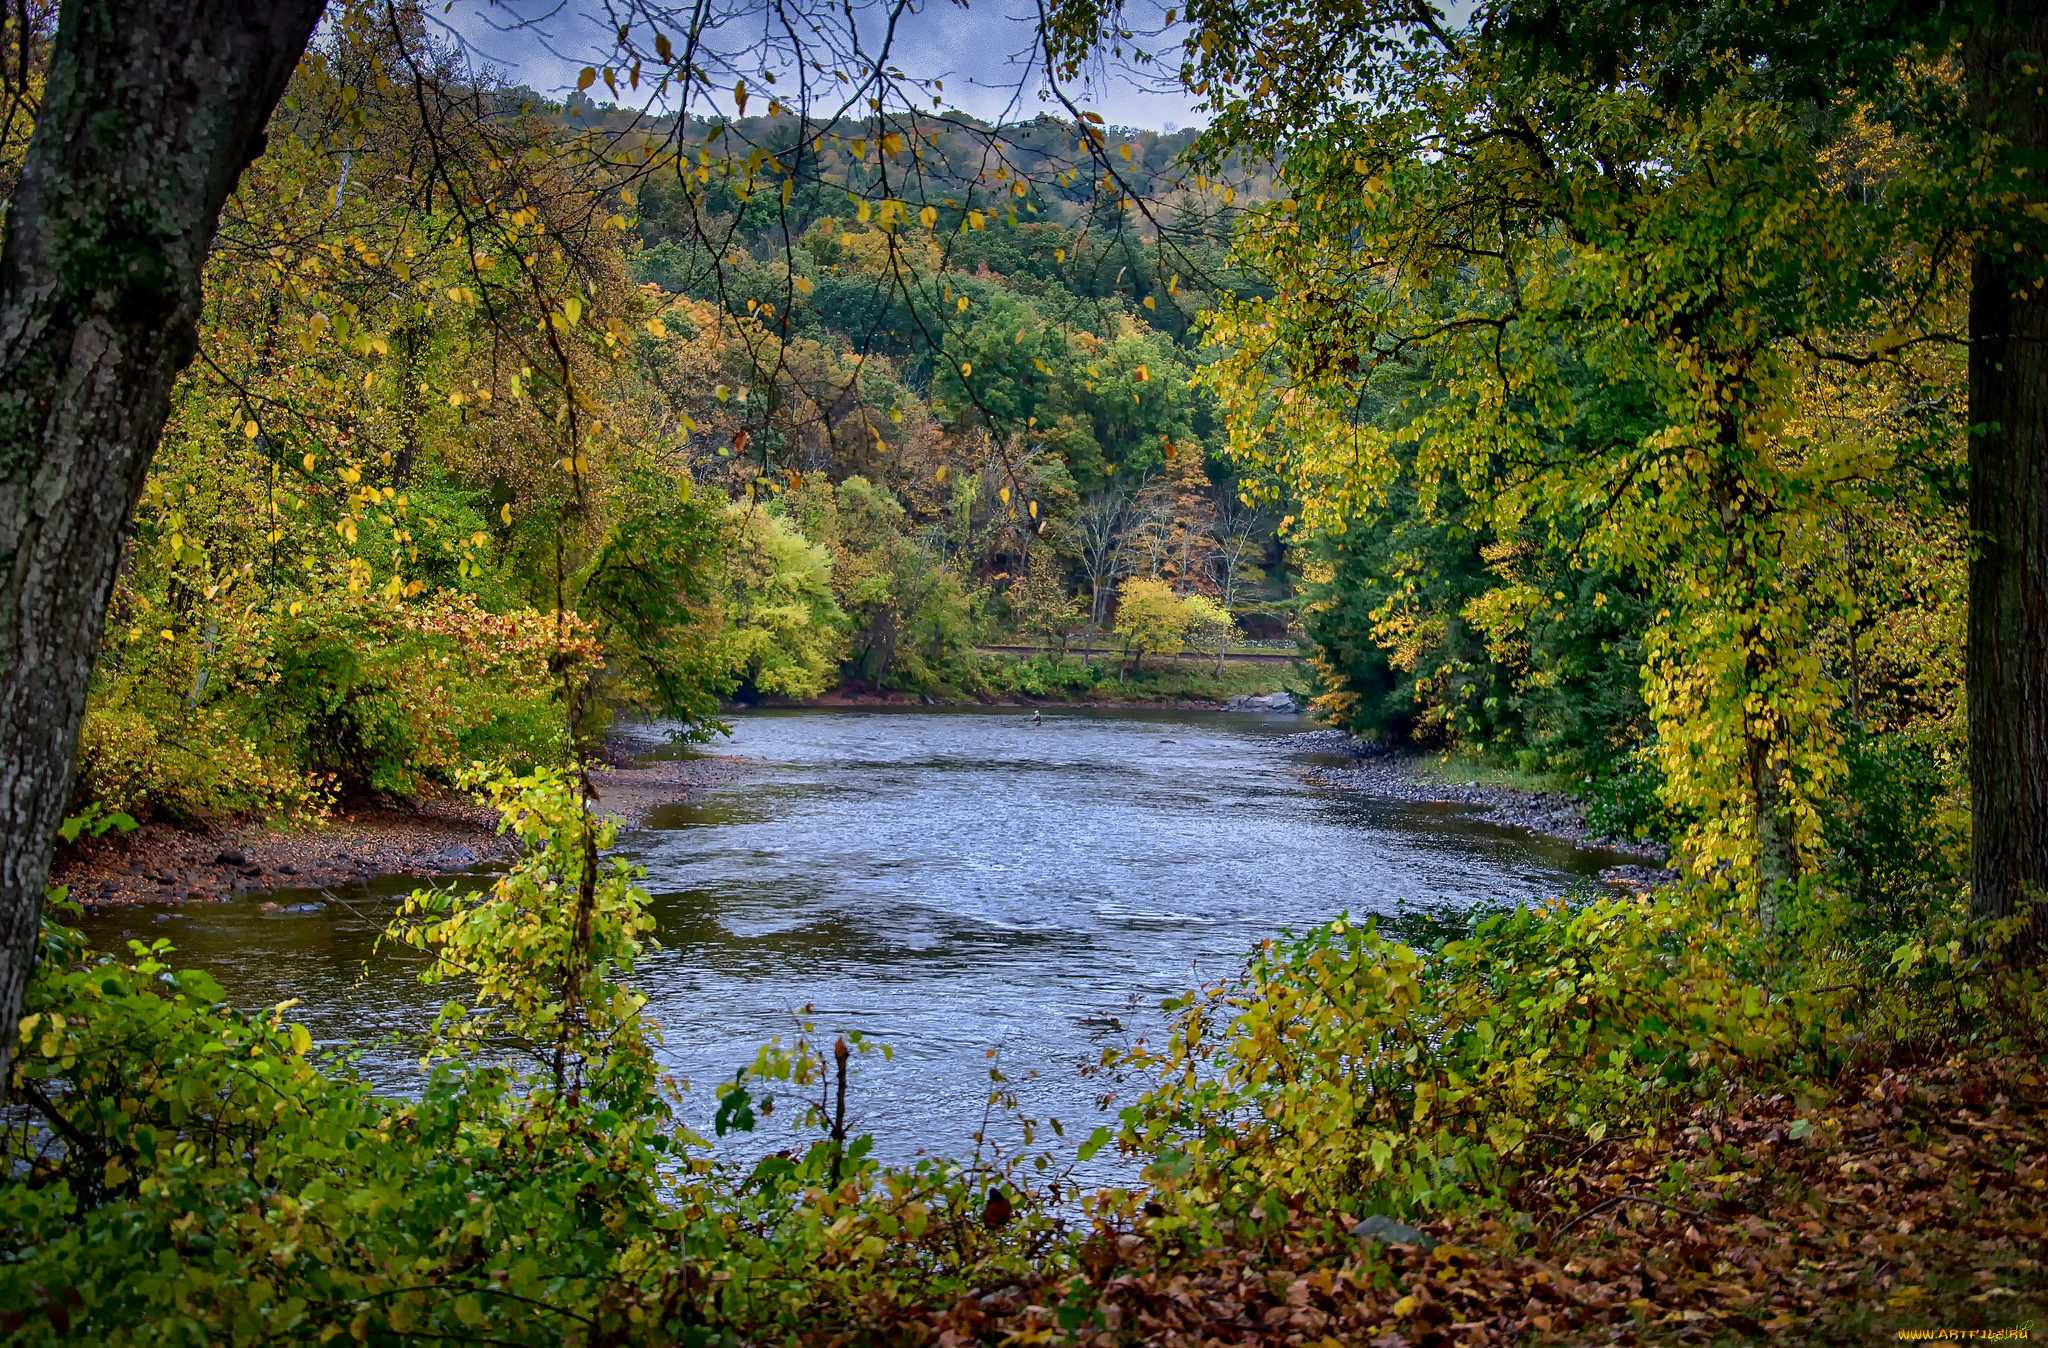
[953,883]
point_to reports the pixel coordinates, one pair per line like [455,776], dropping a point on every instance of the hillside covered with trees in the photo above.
[721,438]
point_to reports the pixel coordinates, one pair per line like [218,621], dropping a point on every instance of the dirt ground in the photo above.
[159,863]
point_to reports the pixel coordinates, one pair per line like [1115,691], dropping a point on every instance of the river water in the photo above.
[953,883]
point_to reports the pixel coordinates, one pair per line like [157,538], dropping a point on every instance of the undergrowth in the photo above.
[1617,1109]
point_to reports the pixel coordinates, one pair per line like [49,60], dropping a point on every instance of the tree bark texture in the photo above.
[2007,640]
[152,110]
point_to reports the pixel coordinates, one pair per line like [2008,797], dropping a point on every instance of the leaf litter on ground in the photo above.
[1912,1197]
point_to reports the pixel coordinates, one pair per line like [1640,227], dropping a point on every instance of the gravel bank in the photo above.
[159,863]
[628,794]
[1410,777]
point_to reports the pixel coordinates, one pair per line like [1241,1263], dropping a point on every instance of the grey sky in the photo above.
[976,50]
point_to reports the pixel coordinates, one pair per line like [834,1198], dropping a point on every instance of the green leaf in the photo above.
[1097,1140]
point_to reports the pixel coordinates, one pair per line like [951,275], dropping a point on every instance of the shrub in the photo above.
[196,1174]
[337,691]
[1897,836]
[202,768]
[1345,1070]
[1625,800]
[1040,676]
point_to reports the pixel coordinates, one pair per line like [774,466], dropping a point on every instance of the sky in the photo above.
[977,49]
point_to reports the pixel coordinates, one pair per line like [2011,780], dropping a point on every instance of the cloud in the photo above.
[981,52]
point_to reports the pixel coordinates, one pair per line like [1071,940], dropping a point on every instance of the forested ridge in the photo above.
[1612,398]
[422,424]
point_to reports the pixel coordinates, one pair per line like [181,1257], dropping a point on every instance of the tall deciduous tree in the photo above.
[1961,84]
[2003,56]
[1650,185]
[152,110]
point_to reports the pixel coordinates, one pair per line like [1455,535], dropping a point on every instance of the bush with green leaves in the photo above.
[183,1172]
[1345,1071]
[1624,799]
[1041,676]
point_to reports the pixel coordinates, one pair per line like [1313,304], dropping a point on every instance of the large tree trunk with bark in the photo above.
[152,110]
[2007,670]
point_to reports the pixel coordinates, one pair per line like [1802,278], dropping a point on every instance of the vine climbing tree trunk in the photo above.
[2007,640]
[151,111]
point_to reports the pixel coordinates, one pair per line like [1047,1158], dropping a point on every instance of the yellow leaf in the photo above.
[1005,494]
[1059,255]
[1125,149]
[657,328]
[1405,1307]
[803,285]
[939,476]
[586,79]
[1141,374]
[572,309]
[928,217]
[505,513]
[249,429]
[1034,510]
[974,220]
[1150,303]
[966,369]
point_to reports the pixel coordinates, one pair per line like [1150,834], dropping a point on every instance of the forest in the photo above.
[431,446]
[1621,399]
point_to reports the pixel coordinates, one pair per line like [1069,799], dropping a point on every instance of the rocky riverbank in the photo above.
[159,863]
[1412,777]
[629,788]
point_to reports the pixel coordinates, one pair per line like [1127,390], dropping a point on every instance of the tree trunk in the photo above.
[1777,861]
[411,405]
[153,109]
[2007,641]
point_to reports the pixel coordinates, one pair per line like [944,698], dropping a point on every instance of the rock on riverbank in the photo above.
[629,793]
[1411,777]
[1283,703]
[159,863]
